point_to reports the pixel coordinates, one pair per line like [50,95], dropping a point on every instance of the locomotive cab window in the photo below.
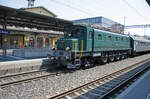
[77,31]
[82,31]
[99,37]
[127,39]
[90,34]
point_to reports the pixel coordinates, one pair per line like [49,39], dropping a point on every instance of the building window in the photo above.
[14,42]
[109,37]
[99,37]
[39,42]
[31,42]
[46,42]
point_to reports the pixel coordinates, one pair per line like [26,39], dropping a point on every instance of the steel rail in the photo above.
[22,73]
[121,85]
[64,94]
[27,79]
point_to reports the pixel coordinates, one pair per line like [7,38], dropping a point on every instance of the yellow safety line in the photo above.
[81,48]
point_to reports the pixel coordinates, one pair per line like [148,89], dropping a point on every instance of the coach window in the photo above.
[122,39]
[109,37]
[99,37]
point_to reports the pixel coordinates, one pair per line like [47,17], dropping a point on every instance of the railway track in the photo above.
[26,76]
[105,86]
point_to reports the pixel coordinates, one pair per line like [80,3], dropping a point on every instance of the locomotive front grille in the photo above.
[62,45]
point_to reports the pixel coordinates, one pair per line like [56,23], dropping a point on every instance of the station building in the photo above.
[30,37]
[103,23]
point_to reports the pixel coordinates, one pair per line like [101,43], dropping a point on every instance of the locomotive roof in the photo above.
[112,33]
[142,39]
[101,30]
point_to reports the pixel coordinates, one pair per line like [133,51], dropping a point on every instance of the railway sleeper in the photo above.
[90,95]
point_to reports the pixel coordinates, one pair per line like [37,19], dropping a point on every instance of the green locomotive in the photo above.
[82,46]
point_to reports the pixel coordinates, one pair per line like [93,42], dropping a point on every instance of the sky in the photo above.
[128,12]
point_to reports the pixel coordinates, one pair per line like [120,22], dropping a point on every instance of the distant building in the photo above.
[39,10]
[102,23]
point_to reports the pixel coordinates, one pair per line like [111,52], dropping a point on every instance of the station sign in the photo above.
[4,31]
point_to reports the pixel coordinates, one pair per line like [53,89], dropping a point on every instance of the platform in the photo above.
[31,52]
[9,58]
[22,65]
[138,90]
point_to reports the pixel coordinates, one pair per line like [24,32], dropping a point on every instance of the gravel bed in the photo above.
[50,86]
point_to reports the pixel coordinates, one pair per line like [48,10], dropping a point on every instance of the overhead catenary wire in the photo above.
[134,9]
[87,10]
[69,6]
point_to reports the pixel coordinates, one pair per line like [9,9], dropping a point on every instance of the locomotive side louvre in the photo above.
[104,41]
[107,41]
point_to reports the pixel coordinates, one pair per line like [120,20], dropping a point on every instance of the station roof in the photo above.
[16,17]
[40,7]
[148,1]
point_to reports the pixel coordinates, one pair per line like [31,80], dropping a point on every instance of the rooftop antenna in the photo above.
[31,3]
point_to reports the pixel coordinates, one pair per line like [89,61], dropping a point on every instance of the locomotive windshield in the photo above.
[74,32]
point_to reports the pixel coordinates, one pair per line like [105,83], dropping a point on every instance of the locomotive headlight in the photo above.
[67,48]
[52,58]
[69,34]
[53,49]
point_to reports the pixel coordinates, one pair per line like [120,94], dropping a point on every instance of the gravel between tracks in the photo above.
[50,86]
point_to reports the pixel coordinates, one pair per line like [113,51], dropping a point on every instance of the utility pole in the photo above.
[124,25]
[144,31]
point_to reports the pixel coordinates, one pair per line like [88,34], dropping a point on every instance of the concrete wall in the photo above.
[32,52]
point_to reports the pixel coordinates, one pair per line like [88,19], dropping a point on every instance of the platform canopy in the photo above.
[19,18]
[148,1]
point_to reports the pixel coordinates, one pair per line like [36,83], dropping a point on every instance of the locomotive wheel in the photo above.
[125,56]
[111,58]
[88,63]
[91,62]
[122,56]
[117,57]
[104,60]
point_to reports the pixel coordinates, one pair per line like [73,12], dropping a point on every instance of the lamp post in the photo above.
[4,45]
[4,36]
